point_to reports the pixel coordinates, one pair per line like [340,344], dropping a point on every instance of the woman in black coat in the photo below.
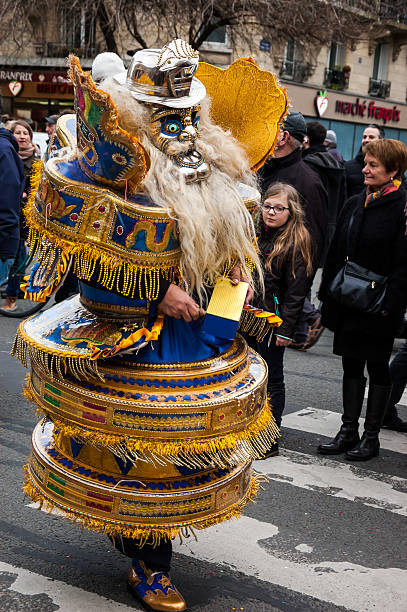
[377,241]
[286,254]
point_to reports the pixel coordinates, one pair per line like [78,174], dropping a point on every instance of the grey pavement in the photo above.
[324,535]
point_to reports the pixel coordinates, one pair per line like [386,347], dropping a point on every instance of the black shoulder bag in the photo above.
[356,287]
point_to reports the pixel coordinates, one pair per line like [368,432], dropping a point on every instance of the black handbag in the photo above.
[357,287]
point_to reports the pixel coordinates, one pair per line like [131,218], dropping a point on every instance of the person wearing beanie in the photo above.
[286,166]
[331,142]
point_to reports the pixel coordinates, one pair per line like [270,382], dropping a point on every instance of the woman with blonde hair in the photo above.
[286,254]
[364,294]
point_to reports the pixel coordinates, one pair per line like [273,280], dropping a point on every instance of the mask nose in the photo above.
[188,134]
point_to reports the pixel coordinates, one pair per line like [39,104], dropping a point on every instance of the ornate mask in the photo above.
[179,125]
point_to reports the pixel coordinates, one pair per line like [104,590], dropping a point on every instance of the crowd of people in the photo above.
[351,222]
[310,198]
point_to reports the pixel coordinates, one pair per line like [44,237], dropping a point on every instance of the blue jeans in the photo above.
[5,267]
[14,280]
[274,357]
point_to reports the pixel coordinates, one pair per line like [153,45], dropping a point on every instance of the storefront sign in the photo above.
[55,88]
[321,103]
[368,110]
[7,75]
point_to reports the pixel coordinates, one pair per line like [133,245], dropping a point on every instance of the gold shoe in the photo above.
[154,589]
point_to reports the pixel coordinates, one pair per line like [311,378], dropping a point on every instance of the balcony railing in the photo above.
[388,10]
[295,70]
[335,79]
[62,50]
[379,88]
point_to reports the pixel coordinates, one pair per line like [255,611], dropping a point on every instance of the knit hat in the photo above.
[330,137]
[295,125]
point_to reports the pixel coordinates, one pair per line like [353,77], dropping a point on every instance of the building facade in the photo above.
[345,86]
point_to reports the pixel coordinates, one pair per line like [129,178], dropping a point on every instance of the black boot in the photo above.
[369,445]
[353,392]
[393,421]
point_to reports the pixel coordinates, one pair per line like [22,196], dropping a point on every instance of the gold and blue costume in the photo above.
[151,424]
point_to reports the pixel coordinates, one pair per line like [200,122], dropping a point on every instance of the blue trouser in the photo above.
[157,558]
[5,267]
[274,357]
[13,287]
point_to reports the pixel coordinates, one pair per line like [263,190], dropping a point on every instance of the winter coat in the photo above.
[293,170]
[378,242]
[355,181]
[284,292]
[11,188]
[332,174]
[335,153]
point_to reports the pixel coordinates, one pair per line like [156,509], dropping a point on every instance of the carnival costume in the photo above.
[151,422]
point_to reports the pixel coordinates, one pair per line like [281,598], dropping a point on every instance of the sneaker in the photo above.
[154,589]
[315,331]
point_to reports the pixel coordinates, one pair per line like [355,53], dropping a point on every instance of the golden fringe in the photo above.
[129,278]
[223,451]
[146,534]
[258,323]
[25,350]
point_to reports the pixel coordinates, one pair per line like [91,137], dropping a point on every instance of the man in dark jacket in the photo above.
[287,166]
[11,189]
[329,169]
[355,181]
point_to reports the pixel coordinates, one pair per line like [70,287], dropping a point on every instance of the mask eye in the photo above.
[195,122]
[171,127]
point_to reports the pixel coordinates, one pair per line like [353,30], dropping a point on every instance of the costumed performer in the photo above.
[152,422]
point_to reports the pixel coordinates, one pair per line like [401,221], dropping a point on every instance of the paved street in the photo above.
[324,535]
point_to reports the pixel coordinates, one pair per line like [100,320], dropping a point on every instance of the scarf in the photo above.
[25,150]
[371,196]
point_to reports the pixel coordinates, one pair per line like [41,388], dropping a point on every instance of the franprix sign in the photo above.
[368,110]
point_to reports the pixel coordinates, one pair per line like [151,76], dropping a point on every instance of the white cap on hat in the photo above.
[107,65]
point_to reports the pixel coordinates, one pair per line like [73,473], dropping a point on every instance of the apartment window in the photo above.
[381,61]
[217,40]
[78,28]
[337,55]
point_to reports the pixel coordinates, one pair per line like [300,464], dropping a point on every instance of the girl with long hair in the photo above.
[286,254]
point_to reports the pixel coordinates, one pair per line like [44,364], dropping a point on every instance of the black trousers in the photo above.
[398,375]
[274,357]
[156,558]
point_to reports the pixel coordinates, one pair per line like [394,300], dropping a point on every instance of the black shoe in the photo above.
[272,452]
[367,448]
[353,392]
[393,421]
[344,440]
[396,424]
[376,407]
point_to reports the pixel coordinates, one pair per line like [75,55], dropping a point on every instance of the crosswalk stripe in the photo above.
[337,479]
[327,423]
[67,597]
[236,544]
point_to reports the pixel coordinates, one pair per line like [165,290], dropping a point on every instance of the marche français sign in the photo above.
[368,109]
